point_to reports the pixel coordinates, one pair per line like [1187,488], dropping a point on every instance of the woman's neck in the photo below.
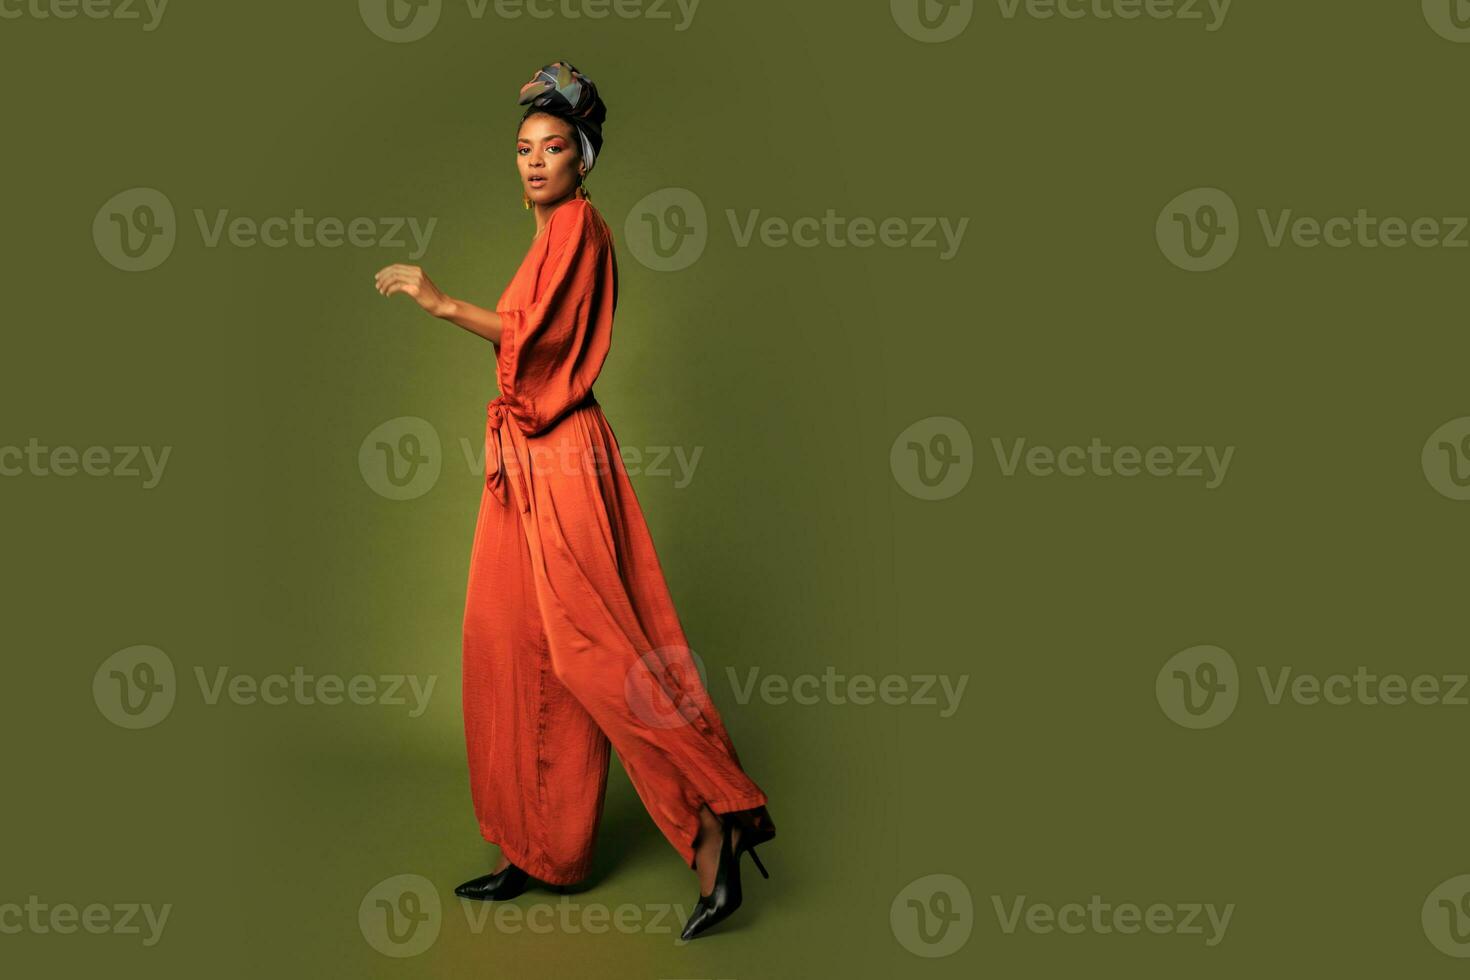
[544,212]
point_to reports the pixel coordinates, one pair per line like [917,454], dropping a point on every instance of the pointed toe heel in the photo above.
[727,895]
[497,886]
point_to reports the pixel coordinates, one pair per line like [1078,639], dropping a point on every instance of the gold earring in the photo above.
[526,201]
[583,193]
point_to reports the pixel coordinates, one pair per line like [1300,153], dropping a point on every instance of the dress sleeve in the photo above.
[552,350]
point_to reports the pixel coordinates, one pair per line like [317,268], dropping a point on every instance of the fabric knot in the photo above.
[495,416]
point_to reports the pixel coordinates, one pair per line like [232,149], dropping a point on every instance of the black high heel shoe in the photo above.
[497,886]
[726,895]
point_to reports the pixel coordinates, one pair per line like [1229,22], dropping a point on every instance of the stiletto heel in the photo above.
[755,834]
[727,894]
[759,866]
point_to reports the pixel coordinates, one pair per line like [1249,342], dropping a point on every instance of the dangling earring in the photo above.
[582,187]
[526,201]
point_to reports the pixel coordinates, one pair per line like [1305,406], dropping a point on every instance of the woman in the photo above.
[571,640]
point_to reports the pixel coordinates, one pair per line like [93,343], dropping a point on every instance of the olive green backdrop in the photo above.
[1077,760]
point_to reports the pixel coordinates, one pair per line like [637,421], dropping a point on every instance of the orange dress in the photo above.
[571,640]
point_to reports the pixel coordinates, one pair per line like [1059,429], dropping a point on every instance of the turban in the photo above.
[560,89]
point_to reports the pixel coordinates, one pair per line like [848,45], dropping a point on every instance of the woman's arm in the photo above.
[476,319]
[413,281]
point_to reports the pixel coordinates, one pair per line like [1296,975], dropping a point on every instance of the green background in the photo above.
[794,548]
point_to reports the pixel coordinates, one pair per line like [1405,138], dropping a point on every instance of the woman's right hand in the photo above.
[413,281]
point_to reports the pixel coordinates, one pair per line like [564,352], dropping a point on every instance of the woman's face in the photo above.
[548,154]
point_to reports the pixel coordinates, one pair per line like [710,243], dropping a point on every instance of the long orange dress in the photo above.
[571,639]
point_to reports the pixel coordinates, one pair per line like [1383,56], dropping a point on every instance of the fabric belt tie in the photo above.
[496,414]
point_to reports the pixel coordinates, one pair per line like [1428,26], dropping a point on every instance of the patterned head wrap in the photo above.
[560,89]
